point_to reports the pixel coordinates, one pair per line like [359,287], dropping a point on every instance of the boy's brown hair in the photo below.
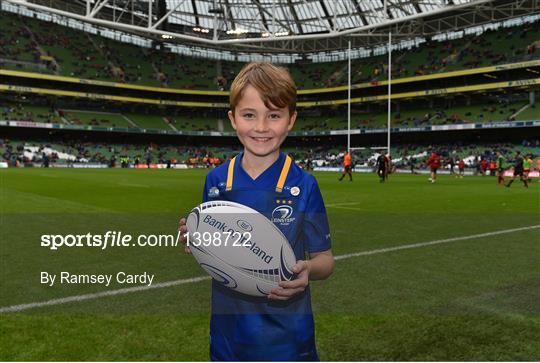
[275,85]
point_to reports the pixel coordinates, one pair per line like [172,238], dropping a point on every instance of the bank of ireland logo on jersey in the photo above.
[283,215]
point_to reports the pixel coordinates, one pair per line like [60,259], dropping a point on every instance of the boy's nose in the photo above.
[261,125]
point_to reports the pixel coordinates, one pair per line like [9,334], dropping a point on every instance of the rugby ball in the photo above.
[239,247]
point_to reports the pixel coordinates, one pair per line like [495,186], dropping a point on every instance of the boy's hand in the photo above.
[182,229]
[288,289]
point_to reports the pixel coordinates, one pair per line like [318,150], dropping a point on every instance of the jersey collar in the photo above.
[274,176]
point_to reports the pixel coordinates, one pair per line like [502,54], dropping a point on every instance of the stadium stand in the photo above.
[150,121]
[490,109]
[183,72]
[34,45]
[29,113]
[497,109]
[78,117]
[17,50]
[28,151]
[494,47]
[28,39]
[130,63]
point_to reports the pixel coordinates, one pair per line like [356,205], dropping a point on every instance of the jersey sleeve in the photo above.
[205,190]
[316,230]
[209,182]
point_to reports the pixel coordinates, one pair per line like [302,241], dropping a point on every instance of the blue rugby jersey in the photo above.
[256,328]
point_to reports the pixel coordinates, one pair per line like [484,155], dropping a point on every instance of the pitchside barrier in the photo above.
[507,173]
[430,128]
[74,165]
[532,174]
[104,166]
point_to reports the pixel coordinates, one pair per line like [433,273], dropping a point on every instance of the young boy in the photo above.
[278,327]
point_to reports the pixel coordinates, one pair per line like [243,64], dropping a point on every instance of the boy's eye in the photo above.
[275,115]
[248,115]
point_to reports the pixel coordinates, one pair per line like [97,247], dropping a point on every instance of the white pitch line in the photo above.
[77,298]
[340,204]
[134,185]
[431,243]
[343,207]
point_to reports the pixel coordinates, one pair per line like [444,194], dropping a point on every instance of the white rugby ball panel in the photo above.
[252,269]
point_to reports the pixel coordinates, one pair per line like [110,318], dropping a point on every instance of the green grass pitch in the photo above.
[475,298]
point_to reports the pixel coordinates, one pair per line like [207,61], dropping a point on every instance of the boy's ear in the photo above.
[231,118]
[292,120]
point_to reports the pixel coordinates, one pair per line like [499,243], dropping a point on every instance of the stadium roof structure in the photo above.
[285,26]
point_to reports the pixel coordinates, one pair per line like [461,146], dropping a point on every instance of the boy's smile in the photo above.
[261,129]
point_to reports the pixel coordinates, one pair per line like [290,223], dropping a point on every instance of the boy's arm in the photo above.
[321,262]
[320,265]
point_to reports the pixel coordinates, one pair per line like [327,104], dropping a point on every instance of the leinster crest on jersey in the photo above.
[282,215]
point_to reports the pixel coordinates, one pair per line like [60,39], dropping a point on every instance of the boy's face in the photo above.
[261,130]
